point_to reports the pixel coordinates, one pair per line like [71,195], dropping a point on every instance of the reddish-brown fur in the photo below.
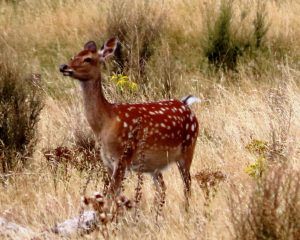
[144,136]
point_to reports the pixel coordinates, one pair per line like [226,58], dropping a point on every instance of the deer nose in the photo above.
[63,67]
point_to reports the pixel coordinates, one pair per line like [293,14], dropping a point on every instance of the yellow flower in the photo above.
[123,82]
[257,168]
[133,86]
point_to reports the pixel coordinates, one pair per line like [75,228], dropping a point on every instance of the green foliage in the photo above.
[260,26]
[20,106]
[223,45]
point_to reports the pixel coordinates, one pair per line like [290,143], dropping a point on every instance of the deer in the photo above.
[163,132]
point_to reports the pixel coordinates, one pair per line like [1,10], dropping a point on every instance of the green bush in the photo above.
[223,45]
[260,26]
[20,106]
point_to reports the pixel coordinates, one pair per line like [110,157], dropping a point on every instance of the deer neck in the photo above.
[97,108]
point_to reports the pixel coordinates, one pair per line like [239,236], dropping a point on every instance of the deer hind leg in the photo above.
[184,168]
[160,195]
[186,177]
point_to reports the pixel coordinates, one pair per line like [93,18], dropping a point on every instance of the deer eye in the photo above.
[88,60]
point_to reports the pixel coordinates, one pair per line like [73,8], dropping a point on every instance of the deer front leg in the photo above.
[119,172]
[117,178]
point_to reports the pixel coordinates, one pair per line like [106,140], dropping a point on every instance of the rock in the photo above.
[85,223]
[14,231]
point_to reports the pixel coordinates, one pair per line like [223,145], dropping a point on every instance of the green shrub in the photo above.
[20,106]
[260,26]
[223,45]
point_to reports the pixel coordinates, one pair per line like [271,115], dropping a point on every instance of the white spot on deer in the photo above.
[174,123]
[192,116]
[135,120]
[156,125]
[180,110]
[186,126]
[163,125]
[126,115]
[152,113]
[143,108]
[188,137]
[193,127]
[125,124]
[168,127]
[118,119]
[161,112]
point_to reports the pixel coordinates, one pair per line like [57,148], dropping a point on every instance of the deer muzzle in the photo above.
[65,70]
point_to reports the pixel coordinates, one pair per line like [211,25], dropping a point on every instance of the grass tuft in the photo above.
[273,210]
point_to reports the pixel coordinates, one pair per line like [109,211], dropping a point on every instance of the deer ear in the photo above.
[91,45]
[108,49]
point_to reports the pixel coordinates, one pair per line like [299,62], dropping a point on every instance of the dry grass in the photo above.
[261,100]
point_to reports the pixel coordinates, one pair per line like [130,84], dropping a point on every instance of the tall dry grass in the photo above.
[256,101]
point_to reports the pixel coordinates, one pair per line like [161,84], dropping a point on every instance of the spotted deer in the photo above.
[158,132]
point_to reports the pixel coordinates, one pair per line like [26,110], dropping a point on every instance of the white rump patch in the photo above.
[189,100]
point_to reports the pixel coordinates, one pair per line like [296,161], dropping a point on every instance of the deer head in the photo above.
[85,65]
